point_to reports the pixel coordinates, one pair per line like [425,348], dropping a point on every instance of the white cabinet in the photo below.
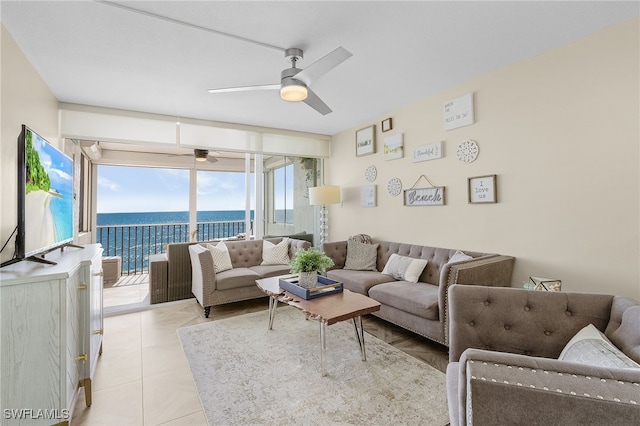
[50,335]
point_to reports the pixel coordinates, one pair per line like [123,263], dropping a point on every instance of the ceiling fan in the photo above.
[295,83]
[202,155]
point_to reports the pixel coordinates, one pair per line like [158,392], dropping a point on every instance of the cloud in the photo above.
[107,184]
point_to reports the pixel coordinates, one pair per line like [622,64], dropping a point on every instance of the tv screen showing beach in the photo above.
[48,195]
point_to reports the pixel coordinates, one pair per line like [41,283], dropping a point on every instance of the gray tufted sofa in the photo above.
[420,307]
[211,288]
[503,355]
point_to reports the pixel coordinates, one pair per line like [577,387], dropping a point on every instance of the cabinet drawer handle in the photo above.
[98,331]
[82,357]
[99,274]
[82,287]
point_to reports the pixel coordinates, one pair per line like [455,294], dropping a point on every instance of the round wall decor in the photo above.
[468,151]
[370,173]
[394,186]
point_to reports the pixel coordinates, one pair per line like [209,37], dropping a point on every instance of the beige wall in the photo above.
[561,131]
[25,99]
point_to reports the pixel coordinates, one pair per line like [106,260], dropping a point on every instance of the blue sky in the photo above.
[143,189]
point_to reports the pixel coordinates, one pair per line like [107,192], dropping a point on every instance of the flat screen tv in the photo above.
[45,198]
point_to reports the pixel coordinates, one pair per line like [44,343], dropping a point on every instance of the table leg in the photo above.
[273,304]
[323,347]
[357,325]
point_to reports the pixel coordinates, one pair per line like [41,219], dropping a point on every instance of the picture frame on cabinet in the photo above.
[482,189]
[366,141]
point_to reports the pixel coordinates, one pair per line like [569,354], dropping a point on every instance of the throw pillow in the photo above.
[275,254]
[590,346]
[220,255]
[459,256]
[361,256]
[361,238]
[404,268]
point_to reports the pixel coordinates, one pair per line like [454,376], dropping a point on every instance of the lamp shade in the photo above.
[321,195]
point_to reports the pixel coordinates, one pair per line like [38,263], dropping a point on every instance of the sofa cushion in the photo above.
[404,268]
[590,346]
[420,299]
[220,255]
[266,271]
[627,336]
[275,254]
[235,278]
[361,256]
[358,281]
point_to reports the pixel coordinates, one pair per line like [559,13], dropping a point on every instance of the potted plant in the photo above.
[307,263]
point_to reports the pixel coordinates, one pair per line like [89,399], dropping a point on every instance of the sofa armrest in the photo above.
[502,388]
[490,270]
[203,281]
[337,251]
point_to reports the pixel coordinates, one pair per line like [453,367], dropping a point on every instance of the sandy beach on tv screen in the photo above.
[39,230]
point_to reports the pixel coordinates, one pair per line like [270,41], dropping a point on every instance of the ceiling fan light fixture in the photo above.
[293,91]
[201,154]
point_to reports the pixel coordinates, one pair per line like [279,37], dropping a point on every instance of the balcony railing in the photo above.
[134,243]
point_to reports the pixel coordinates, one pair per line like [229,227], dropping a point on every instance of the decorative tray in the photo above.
[325,287]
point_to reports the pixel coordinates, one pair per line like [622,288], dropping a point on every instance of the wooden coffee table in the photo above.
[326,310]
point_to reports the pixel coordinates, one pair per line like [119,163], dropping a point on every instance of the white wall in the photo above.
[561,131]
[25,99]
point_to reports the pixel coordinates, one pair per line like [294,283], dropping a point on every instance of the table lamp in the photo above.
[321,196]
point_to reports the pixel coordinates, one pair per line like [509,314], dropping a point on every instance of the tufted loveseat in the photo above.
[504,366]
[238,283]
[421,306]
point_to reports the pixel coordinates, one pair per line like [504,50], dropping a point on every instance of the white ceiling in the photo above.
[96,54]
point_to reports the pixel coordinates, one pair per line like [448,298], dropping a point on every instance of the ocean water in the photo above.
[136,236]
[147,218]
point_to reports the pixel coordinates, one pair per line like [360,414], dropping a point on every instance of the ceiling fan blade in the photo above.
[246,88]
[316,103]
[323,65]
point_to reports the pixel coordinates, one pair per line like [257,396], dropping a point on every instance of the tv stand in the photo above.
[40,257]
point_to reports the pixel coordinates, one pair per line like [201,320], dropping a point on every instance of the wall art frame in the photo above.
[482,189]
[387,124]
[368,195]
[429,196]
[366,141]
[394,147]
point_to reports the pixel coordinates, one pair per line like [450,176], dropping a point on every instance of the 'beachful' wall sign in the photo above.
[431,151]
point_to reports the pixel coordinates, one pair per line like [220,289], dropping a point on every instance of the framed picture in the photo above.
[368,195]
[482,189]
[387,125]
[394,147]
[366,141]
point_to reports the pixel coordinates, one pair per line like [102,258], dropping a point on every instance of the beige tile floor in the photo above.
[143,378]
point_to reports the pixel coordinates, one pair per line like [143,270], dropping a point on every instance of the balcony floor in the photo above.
[129,294]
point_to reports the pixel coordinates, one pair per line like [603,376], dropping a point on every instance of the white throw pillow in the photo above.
[275,254]
[404,268]
[459,256]
[590,346]
[220,255]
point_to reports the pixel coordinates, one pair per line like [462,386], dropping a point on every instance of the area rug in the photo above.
[246,374]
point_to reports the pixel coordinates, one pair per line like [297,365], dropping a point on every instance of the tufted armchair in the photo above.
[503,358]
